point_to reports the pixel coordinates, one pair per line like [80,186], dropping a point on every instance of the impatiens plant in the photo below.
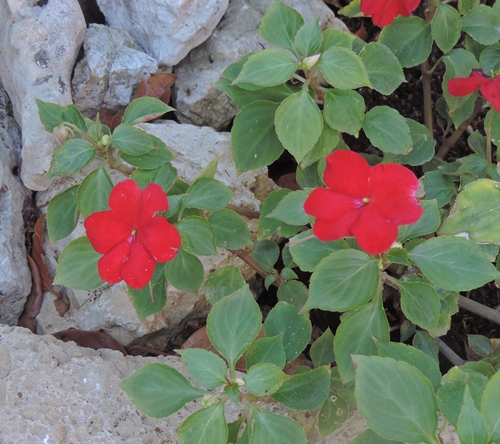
[360,237]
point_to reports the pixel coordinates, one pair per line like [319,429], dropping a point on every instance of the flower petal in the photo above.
[110,265]
[125,202]
[139,268]
[373,232]
[329,205]
[105,232]
[463,86]
[491,92]
[160,238]
[406,7]
[347,172]
[153,199]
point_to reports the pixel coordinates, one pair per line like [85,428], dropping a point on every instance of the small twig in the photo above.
[426,86]
[251,214]
[479,309]
[449,353]
[153,351]
[243,255]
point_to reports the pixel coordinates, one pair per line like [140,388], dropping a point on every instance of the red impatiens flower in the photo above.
[131,236]
[362,201]
[384,12]
[489,87]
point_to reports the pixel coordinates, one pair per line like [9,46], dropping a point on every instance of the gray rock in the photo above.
[195,99]
[110,71]
[38,48]
[166,29]
[15,276]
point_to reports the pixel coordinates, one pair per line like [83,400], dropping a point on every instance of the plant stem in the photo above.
[479,309]
[117,164]
[449,353]
[426,85]
[244,211]
[488,137]
[242,254]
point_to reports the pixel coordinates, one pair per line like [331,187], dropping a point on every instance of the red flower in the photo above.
[130,235]
[384,12]
[362,201]
[490,88]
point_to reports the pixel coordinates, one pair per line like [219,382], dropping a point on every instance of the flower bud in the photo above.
[61,133]
[310,61]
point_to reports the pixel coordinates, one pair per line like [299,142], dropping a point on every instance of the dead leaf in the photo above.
[34,300]
[90,339]
[289,181]
[158,85]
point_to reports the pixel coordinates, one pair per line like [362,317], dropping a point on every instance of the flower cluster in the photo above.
[362,201]
[131,236]
[384,12]
[478,80]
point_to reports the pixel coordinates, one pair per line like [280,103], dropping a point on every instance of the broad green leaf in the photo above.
[370,437]
[387,130]
[197,235]
[291,208]
[163,176]
[344,110]
[495,126]
[445,27]
[159,390]
[466,5]
[223,282]
[490,60]
[409,38]
[343,69]
[271,428]
[207,194]
[332,415]
[453,263]
[253,136]
[77,267]
[322,349]
[204,367]
[131,140]
[355,336]
[344,390]
[336,37]
[148,301]
[158,156]
[308,38]
[205,426]
[294,328]
[231,231]
[185,272]
[439,187]
[233,323]
[482,23]
[397,256]
[94,191]
[264,379]
[310,177]
[326,143]
[428,222]
[52,114]
[269,67]
[476,212]
[280,25]
[266,350]
[471,427]
[210,168]
[62,214]
[70,157]
[234,429]
[305,391]
[490,407]
[144,109]
[384,71]
[345,280]
[293,292]
[420,304]
[396,400]
[480,344]
[425,342]
[266,253]
[268,225]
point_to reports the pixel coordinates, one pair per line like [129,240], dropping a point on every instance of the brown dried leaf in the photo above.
[34,300]
[37,254]
[289,181]
[157,85]
[90,339]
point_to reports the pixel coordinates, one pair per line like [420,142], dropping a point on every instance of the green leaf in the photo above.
[77,267]
[409,38]
[420,304]
[384,71]
[70,157]
[322,349]
[158,156]
[204,367]
[291,208]
[207,194]
[344,110]
[490,60]
[425,342]
[223,282]
[264,379]
[266,350]
[387,130]
[453,263]
[62,214]
[269,67]
[253,136]
[185,272]
[336,37]
[490,407]
[428,223]
[293,292]
[439,187]
[280,25]
[233,323]
[445,27]
[266,253]
[482,23]
[370,437]
[480,344]
[51,115]
[131,140]
[298,123]
[345,280]
[466,5]
[343,69]
[355,336]
[308,38]
[159,390]
[205,426]
[143,304]
[268,225]
[144,109]
[197,235]
[271,428]
[163,176]
[295,329]
[471,427]
[94,191]
[396,400]
[326,143]
[332,415]
[210,168]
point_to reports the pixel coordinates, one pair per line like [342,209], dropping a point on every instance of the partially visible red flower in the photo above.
[362,201]
[384,12]
[131,236]
[489,87]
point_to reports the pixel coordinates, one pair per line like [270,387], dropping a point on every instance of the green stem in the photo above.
[488,137]
[242,254]
[117,164]
[479,309]
[426,86]
[438,62]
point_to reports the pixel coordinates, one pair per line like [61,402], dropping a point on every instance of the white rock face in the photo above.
[110,71]
[166,29]
[195,99]
[38,48]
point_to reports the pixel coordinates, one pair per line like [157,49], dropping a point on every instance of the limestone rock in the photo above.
[195,99]
[110,71]
[166,29]
[38,48]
